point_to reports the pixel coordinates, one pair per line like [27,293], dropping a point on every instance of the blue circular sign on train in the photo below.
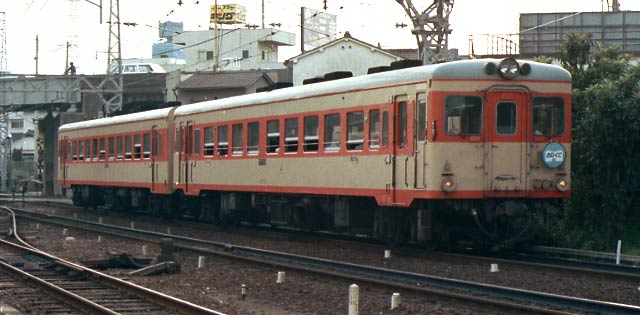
[553,154]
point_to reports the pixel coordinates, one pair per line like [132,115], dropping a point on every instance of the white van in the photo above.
[142,67]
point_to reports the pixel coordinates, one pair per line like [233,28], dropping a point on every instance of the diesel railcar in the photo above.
[417,154]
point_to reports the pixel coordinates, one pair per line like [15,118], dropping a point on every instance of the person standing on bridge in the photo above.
[71,70]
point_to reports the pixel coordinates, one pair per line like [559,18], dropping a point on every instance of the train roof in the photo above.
[464,69]
[108,121]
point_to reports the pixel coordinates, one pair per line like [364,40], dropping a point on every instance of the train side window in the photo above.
[87,150]
[236,139]
[463,115]
[253,136]
[548,116]
[223,141]
[421,118]
[385,129]
[310,134]
[127,148]
[402,125]
[332,132]
[196,142]
[355,130]
[208,141]
[291,135]
[273,136]
[94,149]
[374,129]
[506,118]
[102,153]
[81,150]
[111,148]
[68,153]
[137,147]
[146,145]
[74,150]
[119,151]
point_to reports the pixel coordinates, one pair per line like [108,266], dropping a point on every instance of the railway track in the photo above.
[44,284]
[503,297]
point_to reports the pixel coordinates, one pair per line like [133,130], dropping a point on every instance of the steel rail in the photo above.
[161,299]
[485,293]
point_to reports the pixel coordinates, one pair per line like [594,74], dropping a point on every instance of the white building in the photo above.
[240,49]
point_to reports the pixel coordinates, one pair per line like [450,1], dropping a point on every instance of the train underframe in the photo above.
[489,222]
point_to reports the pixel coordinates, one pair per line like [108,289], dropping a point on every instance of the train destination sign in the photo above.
[553,154]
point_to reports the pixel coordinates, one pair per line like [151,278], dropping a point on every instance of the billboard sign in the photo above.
[228,14]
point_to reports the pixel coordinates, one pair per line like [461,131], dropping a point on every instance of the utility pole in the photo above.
[4,116]
[3,41]
[431,28]
[111,88]
[216,44]
[36,57]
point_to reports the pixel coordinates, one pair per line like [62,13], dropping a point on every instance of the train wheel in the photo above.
[76,197]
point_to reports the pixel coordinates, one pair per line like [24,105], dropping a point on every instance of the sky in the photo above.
[372,21]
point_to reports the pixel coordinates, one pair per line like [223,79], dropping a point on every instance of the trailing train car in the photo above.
[418,154]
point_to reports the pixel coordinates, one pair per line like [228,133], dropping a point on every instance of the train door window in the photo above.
[160,145]
[87,150]
[102,150]
[355,130]
[208,141]
[385,129]
[548,116]
[94,149]
[402,125]
[111,148]
[310,134]
[74,150]
[332,132]
[68,153]
[463,115]
[236,139]
[223,141]
[291,135]
[137,147]
[421,120]
[119,151]
[374,129]
[506,118]
[127,148]
[253,136]
[146,145]
[273,136]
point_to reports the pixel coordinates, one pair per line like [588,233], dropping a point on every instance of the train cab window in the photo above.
[374,129]
[548,116]
[94,149]
[223,141]
[355,130]
[127,148]
[421,119]
[208,141]
[385,129]
[463,115]
[273,136]
[137,147]
[102,153]
[111,148]
[506,118]
[402,125]
[310,134]
[253,136]
[236,139]
[331,133]
[146,145]
[291,135]
[87,150]
[119,151]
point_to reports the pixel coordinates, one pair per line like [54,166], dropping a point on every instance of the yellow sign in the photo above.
[228,14]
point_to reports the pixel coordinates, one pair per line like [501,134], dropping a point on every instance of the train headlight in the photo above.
[508,68]
[562,185]
[448,185]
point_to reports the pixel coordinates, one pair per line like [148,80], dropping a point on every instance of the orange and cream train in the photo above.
[414,155]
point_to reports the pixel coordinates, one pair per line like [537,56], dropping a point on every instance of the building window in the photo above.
[205,55]
[245,54]
[17,123]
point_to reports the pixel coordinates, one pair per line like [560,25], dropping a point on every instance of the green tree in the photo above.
[605,145]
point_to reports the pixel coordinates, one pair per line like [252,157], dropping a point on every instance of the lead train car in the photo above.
[415,154]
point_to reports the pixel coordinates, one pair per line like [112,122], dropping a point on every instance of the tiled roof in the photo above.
[409,54]
[221,80]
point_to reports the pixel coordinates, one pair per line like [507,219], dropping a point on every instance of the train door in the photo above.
[154,155]
[505,130]
[403,157]
[187,154]
[420,134]
[65,155]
